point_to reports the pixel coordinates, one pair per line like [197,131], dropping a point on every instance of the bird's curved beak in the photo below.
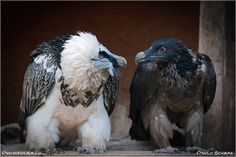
[140,57]
[147,56]
[117,61]
[121,61]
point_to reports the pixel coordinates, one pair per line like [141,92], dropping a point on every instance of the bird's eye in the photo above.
[101,56]
[162,49]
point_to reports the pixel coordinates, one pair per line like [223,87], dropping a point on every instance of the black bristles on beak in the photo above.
[117,61]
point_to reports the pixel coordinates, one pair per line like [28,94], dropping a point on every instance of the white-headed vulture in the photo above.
[70,88]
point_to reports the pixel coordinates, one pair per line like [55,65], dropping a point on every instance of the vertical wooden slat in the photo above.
[228,107]
[215,39]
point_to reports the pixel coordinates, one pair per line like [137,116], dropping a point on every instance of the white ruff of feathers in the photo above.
[77,67]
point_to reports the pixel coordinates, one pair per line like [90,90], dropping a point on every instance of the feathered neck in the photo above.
[185,63]
[77,68]
[84,78]
[182,66]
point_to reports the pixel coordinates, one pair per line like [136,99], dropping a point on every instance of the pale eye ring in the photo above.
[162,49]
[101,56]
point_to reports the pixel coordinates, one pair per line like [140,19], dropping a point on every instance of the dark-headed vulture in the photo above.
[172,88]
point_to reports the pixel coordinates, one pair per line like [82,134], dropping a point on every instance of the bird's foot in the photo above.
[168,149]
[88,150]
[194,149]
[51,151]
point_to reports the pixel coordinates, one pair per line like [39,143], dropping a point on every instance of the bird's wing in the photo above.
[39,79]
[110,93]
[40,76]
[209,87]
[143,86]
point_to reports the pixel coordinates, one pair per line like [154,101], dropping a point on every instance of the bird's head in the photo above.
[164,51]
[103,59]
[167,51]
[85,59]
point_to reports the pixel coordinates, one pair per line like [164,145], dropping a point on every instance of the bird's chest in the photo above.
[180,95]
[73,97]
[180,103]
[71,118]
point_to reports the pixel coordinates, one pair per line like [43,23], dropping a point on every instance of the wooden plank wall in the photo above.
[216,38]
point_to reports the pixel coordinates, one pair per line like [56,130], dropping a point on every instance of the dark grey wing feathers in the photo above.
[110,93]
[38,82]
[209,87]
[143,86]
[40,75]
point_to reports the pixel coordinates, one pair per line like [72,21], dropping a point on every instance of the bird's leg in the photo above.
[161,129]
[193,128]
[49,150]
[91,145]
[42,133]
[94,133]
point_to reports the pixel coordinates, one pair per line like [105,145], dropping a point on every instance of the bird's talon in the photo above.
[168,149]
[194,149]
[51,151]
[88,150]
[59,151]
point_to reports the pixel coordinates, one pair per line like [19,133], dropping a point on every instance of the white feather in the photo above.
[77,67]
[40,59]
[42,127]
[92,124]
[203,67]
[96,131]
[44,59]
[194,56]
